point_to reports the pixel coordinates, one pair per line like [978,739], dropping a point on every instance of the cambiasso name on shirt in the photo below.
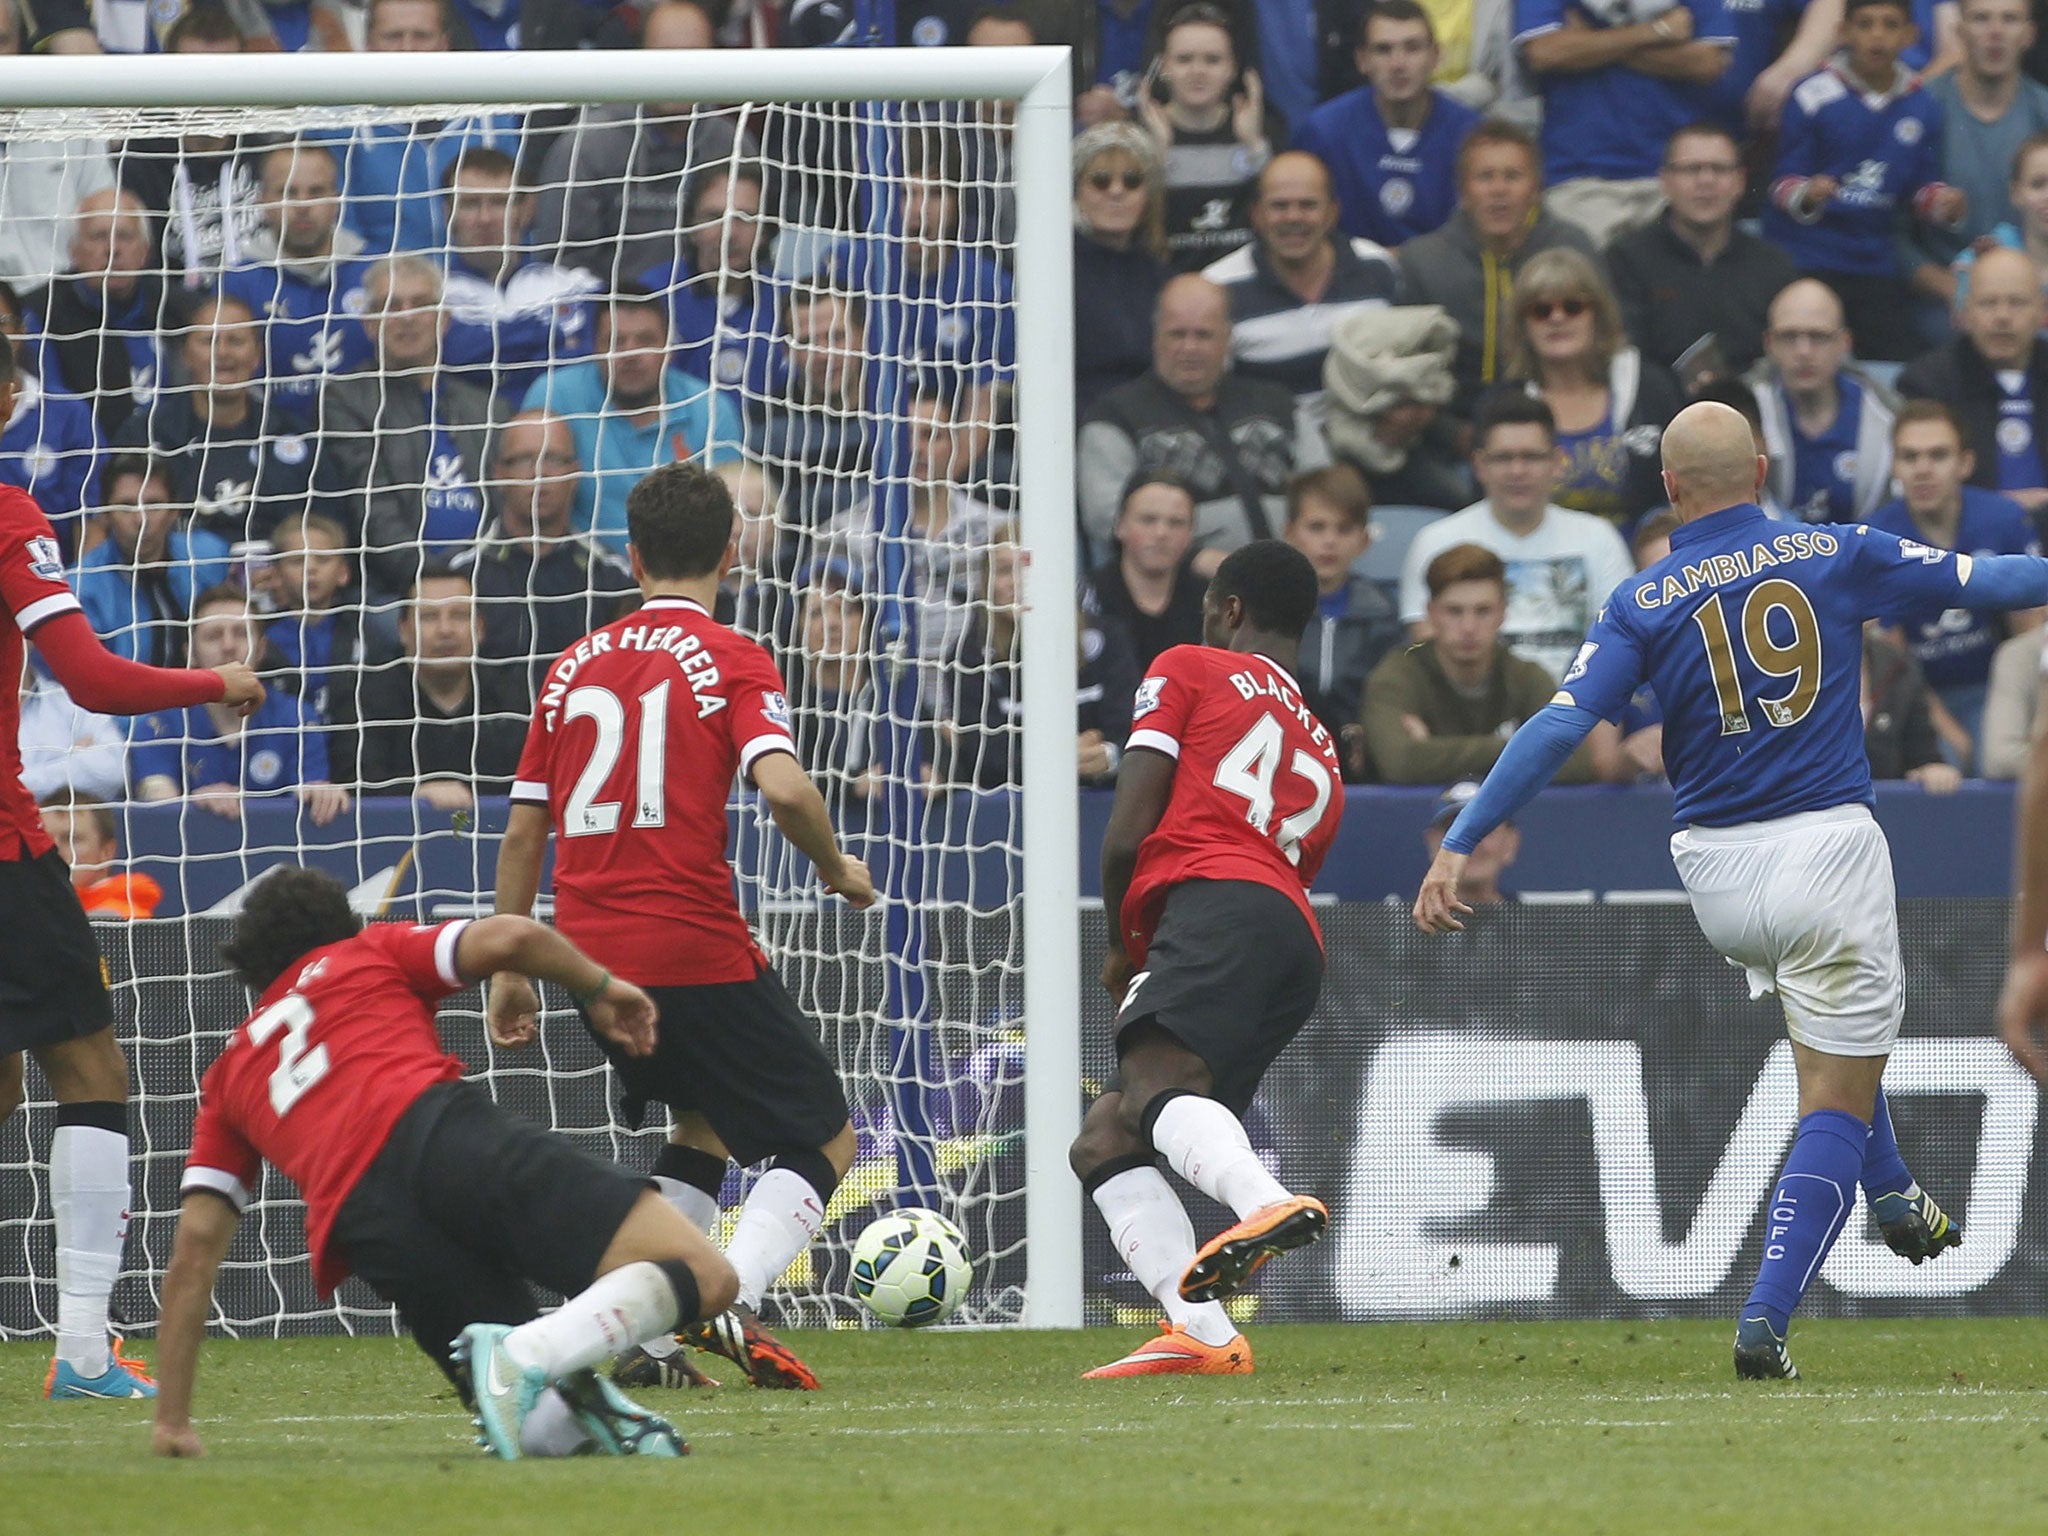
[1739,565]
[699,668]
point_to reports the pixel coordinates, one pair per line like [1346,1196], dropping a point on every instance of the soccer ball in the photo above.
[910,1268]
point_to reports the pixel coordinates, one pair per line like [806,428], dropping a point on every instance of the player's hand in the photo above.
[1937,778]
[1116,974]
[624,1015]
[1248,112]
[853,882]
[1950,206]
[2023,1013]
[224,800]
[1416,727]
[1818,192]
[179,1440]
[1437,908]
[512,1014]
[242,689]
[323,802]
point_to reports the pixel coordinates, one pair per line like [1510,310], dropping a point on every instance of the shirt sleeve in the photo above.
[221,1159]
[530,779]
[1710,22]
[1533,18]
[1894,575]
[1166,697]
[425,954]
[760,710]
[1605,674]
[31,564]
[154,750]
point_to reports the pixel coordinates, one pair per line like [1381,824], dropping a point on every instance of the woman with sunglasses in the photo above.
[1119,251]
[1568,350]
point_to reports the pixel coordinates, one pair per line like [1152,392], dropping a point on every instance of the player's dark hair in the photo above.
[1166,477]
[1464,562]
[680,519]
[1274,581]
[1337,486]
[1903,6]
[1914,412]
[1494,131]
[1394,10]
[1512,408]
[290,912]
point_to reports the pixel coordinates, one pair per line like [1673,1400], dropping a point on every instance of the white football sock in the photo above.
[1150,1228]
[1205,1144]
[89,1197]
[699,1209]
[551,1429]
[780,1218]
[631,1304]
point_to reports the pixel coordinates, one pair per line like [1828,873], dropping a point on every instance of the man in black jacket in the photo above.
[102,322]
[1994,376]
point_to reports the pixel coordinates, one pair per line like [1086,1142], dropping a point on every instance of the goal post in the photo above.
[165,96]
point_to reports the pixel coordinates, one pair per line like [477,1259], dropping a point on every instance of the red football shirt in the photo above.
[33,591]
[1258,792]
[640,729]
[337,1049]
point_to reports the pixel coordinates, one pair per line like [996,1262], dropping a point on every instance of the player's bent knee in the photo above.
[840,1151]
[718,1285]
[822,1169]
[1103,1138]
[88,1070]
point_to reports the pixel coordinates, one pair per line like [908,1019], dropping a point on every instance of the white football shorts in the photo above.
[1806,906]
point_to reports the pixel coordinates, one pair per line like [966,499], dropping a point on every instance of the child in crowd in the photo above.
[1861,145]
[316,629]
[1329,519]
[83,828]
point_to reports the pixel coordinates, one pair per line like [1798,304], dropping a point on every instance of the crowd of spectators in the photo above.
[1414,284]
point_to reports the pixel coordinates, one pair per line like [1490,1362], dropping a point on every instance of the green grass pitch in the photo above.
[1450,1429]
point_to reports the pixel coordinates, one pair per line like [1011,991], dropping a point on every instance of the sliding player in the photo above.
[638,734]
[1752,636]
[1226,803]
[53,989]
[416,1181]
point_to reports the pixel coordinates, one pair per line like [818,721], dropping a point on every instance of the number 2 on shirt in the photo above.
[298,1069]
[1800,660]
[1248,770]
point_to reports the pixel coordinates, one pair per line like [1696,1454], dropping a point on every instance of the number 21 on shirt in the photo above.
[1248,770]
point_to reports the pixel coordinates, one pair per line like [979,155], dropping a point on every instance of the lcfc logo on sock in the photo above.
[1784,1207]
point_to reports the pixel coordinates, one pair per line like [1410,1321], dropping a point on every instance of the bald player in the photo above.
[1751,633]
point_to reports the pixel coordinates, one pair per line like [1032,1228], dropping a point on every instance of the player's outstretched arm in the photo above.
[1532,756]
[113,685]
[206,1225]
[800,814]
[1144,785]
[512,1012]
[618,1010]
[2023,1006]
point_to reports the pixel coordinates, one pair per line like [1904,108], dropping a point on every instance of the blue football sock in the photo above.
[1815,1191]
[1884,1170]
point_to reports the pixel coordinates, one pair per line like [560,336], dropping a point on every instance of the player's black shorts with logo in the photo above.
[53,981]
[742,1055]
[1233,973]
[465,1205]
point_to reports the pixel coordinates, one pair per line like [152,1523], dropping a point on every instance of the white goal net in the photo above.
[361,389]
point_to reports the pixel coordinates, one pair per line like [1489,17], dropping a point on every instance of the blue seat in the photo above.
[1393,530]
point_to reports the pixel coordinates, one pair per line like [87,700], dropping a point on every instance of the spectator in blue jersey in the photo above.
[98,325]
[1990,113]
[239,459]
[137,584]
[1209,118]
[1119,257]
[1469,266]
[1329,519]
[1938,508]
[1610,403]
[1619,77]
[1391,145]
[50,445]
[304,277]
[403,448]
[629,411]
[1860,149]
[1689,281]
[1994,376]
[210,755]
[512,313]
[391,172]
[317,632]
[1297,281]
[723,294]
[1825,424]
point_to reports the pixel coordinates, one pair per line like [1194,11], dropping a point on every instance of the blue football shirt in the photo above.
[1824,467]
[281,747]
[1751,635]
